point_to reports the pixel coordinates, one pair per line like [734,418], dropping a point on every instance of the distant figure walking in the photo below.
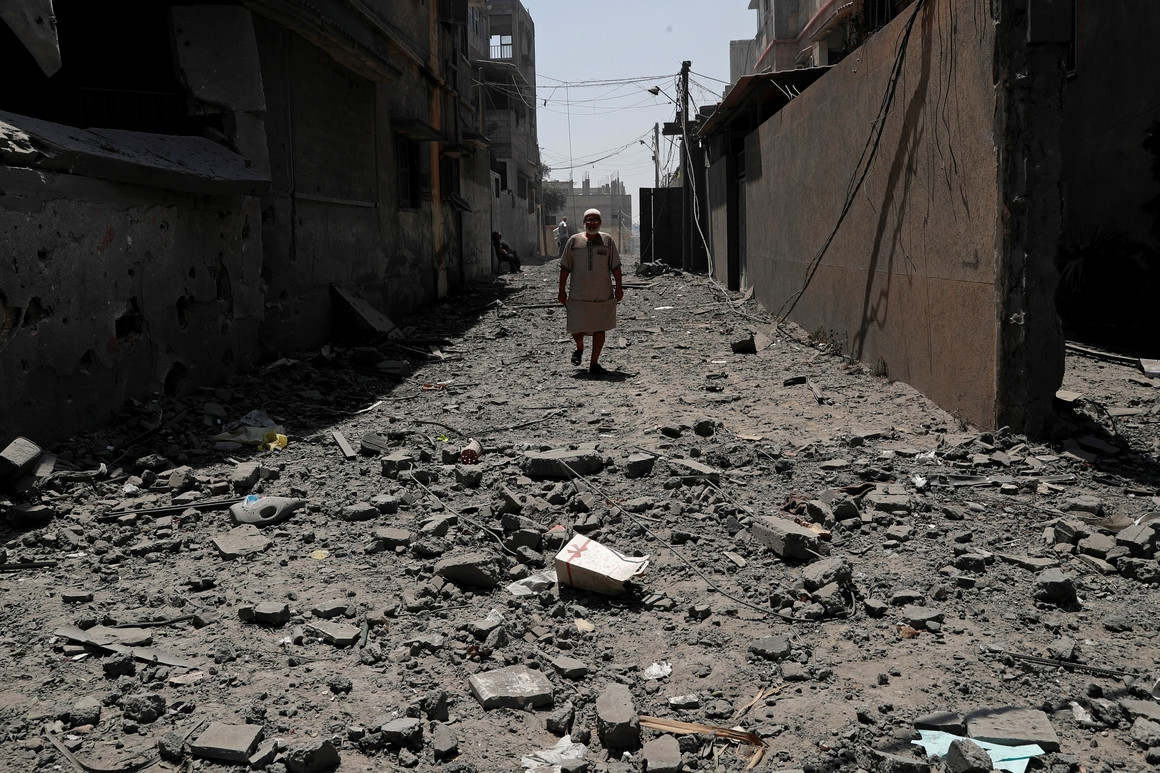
[562,233]
[590,287]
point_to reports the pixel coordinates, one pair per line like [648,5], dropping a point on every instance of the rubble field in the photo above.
[297,571]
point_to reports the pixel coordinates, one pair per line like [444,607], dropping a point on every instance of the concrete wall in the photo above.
[116,291]
[931,266]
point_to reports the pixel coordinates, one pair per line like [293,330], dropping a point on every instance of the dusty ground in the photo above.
[961,541]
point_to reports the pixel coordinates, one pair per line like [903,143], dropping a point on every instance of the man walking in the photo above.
[562,233]
[589,264]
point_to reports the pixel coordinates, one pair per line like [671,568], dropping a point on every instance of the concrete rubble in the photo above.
[833,577]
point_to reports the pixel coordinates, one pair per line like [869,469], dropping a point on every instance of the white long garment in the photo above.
[591,293]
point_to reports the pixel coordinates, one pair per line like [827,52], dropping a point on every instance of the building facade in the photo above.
[186,184]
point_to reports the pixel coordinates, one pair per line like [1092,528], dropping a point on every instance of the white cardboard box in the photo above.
[585,563]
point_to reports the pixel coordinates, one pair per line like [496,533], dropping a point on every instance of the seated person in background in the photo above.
[504,251]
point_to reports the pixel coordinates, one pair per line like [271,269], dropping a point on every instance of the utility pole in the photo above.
[657,153]
[687,169]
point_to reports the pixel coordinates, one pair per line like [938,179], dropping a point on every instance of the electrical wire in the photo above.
[862,167]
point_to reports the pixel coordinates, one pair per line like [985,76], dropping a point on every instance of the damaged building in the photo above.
[184,187]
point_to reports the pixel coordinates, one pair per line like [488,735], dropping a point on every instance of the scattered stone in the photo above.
[662,755]
[474,569]
[405,731]
[143,708]
[771,647]
[639,465]
[826,571]
[787,539]
[311,757]
[338,634]
[617,722]
[560,721]
[1052,586]
[226,742]
[359,511]
[513,687]
[884,762]
[444,742]
[562,463]
[241,541]
[966,756]
[570,668]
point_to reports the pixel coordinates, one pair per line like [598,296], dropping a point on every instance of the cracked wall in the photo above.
[113,292]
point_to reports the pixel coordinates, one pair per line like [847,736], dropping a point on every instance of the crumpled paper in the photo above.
[549,760]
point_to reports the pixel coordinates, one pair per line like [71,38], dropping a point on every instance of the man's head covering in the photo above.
[593,212]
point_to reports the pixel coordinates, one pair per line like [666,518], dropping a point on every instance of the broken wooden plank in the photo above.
[367,314]
[346,448]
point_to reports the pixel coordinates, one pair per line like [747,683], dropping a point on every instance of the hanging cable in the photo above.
[862,168]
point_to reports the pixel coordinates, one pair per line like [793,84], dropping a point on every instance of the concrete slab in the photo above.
[226,742]
[786,538]
[241,541]
[1014,727]
[513,687]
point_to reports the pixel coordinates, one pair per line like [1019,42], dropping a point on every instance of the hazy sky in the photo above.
[593,125]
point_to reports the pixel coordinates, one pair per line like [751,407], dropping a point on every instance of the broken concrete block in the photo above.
[17,459]
[639,465]
[226,742]
[311,757]
[244,476]
[1014,727]
[687,468]
[143,708]
[396,462]
[444,743]
[617,722]
[513,687]
[1054,587]
[479,570]
[272,613]
[787,539]
[771,647]
[405,731]
[562,462]
[570,668]
[393,538]
[946,721]
[662,755]
[338,634]
[359,511]
[86,711]
[826,571]
[330,609]
[1139,539]
[966,756]
[1146,732]
[240,541]
[920,616]
[386,504]
[1097,545]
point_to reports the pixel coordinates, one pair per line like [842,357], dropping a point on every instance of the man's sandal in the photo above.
[596,369]
[577,356]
